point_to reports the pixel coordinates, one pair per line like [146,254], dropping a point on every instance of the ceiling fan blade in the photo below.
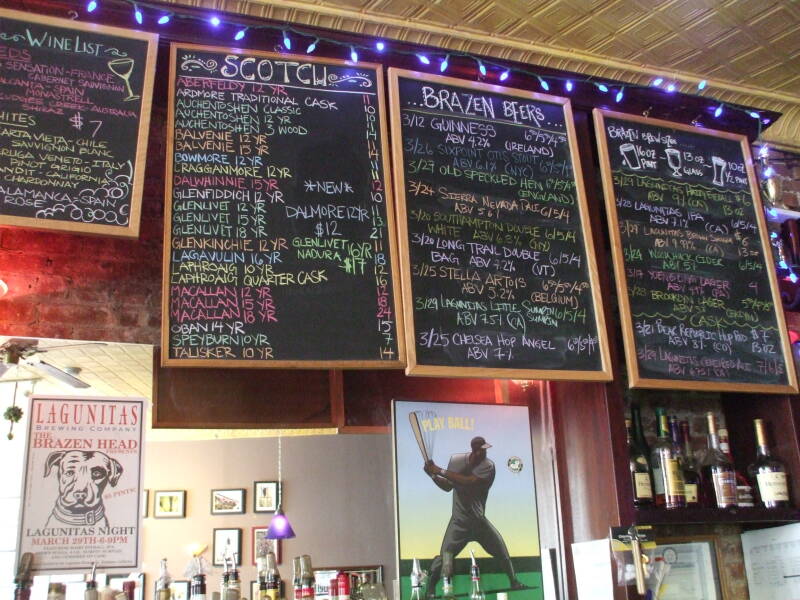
[60,375]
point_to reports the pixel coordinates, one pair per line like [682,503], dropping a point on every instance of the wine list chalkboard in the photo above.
[499,275]
[695,281]
[74,112]
[279,247]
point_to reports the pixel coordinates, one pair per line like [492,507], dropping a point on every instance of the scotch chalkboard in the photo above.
[499,275]
[74,112]
[696,283]
[279,247]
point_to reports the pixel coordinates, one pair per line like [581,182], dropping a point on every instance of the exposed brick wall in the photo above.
[90,288]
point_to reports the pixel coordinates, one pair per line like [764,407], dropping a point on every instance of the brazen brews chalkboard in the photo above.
[496,251]
[74,114]
[697,290]
[279,225]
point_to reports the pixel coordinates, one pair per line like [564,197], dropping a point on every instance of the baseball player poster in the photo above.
[82,484]
[464,482]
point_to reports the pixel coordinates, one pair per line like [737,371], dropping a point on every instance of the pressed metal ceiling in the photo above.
[749,50]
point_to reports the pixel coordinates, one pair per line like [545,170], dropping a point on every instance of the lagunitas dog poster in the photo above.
[464,484]
[82,484]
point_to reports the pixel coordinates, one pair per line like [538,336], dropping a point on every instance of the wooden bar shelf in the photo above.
[690,516]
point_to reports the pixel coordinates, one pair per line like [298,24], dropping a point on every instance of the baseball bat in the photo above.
[414,419]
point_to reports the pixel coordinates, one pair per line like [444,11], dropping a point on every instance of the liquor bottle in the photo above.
[306,578]
[667,475]
[343,585]
[198,588]
[333,588]
[23,579]
[640,471]
[638,430]
[90,593]
[272,577]
[691,472]
[447,588]
[297,589]
[744,490]
[476,593]
[768,473]
[416,582]
[234,588]
[263,593]
[717,473]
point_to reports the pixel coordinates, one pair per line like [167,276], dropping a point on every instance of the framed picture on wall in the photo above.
[145,503]
[227,502]
[694,572]
[169,504]
[227,544]
[260,544]
[265,496]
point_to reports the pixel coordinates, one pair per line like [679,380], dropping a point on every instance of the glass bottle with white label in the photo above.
[667,473]
[768,473]
[718,475]
[640,471]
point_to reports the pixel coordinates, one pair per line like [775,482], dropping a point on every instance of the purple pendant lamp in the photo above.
[279,526]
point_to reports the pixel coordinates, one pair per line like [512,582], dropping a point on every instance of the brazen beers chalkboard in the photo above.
[499,276]
[279,246]
[696,285]
[74,113]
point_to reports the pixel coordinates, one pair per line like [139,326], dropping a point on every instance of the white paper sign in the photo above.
[593,575]
[82,484]
[772,562]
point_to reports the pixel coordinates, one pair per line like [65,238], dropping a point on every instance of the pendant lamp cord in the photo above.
[280,472]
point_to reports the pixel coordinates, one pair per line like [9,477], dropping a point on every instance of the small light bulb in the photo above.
[424,59]
[782,264]
[482,68]
[754,114]
[137,14]
[657,81]
[773,235]
[619,95]
[718,111]
[163,19]
[353,54]
[769,172]
[286,41]
[792,277]
[312,46]
[602,87]
[544,84]
[569,85]
[240,34]
[702,85]
[765,121]
[380,46]
[505,75]
[91,6]
[671,88]
[763,152]
[214,21]
[443,64]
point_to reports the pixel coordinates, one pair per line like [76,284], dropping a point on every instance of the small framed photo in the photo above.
[265,496]
[260,544]
[227,502]
[145,503]
[169,504]
[694,568]
[227,544]
[179,589]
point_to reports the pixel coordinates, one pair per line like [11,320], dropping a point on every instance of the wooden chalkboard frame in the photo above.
[415,368]
[166,361]
[132,229]
[634,378]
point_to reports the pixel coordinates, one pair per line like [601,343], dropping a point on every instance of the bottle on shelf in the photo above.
[198,587]
[640,471]
[667,475]
[234,589]
[296,587]
[476,593]
[306,578]
[717,473]
[691,471]
[343,585]
[272,577]
[91,593]
[768,473]
[744,490]
[638,430]
[448,591]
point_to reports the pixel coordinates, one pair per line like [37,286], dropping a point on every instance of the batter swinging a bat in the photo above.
[469,476]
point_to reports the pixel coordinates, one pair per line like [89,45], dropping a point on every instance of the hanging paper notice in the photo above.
[82,484]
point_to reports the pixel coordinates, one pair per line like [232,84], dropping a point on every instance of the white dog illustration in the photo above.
[82,477]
